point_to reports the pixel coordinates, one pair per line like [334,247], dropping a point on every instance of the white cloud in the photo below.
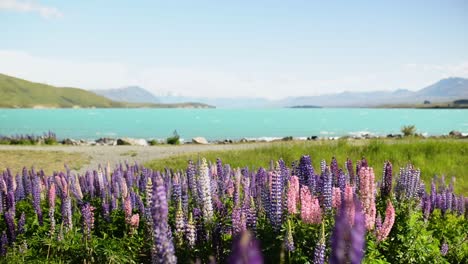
[30,6]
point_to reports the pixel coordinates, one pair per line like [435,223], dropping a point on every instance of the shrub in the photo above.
[409,130]
[174,140]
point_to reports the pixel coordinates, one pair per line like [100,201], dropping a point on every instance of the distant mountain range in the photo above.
[19,93]
[133,94]
[443,91]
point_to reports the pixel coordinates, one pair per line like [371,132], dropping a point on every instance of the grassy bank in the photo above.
[49,161]
[432,156]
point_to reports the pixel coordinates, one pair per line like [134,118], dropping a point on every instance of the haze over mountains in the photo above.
[442,91]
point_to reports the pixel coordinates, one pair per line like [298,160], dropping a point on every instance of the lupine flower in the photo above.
[239,221]
[251,215]
[245,250]
[149,192]
[127,209]
[19,193]
[88,219]
[334,171]
[336,198]
[190,232]
[306,173]
[367,191]
[134,222]
[319,252]
[348,241]
[10,201]
[10,223]
[387,225]
[293,194]
[349,167]
[21,223]
[327,189]
[205,194]
[191,172]
[288,239]
[348,201]
[386,188]
[179,219]
[444,249]
[51,199]
[163,246]
[276,213]
[36,192]
[310,208]
[3,244]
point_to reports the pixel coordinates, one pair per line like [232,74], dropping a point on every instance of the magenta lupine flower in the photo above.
[310,208]
[336,198]
[88,219]
[127,209]
[367,191]
[293,194]
[245,250]
[51,198]
[387,225]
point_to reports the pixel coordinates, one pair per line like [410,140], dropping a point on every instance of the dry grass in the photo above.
[49,161]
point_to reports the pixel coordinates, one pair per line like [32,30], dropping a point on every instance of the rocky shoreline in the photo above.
[125,141]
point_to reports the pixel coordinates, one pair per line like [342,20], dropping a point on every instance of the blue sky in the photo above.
[235,48]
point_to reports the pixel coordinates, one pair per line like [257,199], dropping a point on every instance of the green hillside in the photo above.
[18,93]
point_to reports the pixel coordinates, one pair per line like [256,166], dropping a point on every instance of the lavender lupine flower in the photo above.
[19,193]
[10,201]
[88,219]
[163,246]
[190,232]
[21,223]
[106,211]
[448,200]
[3,244]
[327,189]
[10,223]
[444,249]
[288,239]
[461,205]
[323,166]
[348,241]
[245,250]
[427,206]
[251,215]
[239,221]
[205,194]
[386,188]
[51,198]
[334,171]
[319,252]
[341,180]
[192,183]
[306,173]
[26,182]
[276,206]
[36,193]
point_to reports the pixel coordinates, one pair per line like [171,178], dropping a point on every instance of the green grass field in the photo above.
[433,156]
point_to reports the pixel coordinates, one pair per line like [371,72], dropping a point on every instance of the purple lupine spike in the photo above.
[21,223]
[323,166]
[348,241]
[245,250]
[26,182]
[238,221]
[386,187]
[427,206]
[251,215]
[19,193]
[36,193]
[51,199]
[10,223]
[319,252]
[3,244]
[106,211]
[341,180]
[10,201]
[163,245]
[448,200]
[88,219]
[191,171]
[327,189]
[461,205]
[307,173]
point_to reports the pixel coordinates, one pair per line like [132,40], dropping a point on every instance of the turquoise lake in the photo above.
[228,123]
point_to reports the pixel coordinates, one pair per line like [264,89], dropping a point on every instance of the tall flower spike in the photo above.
[289,240]
[51,198]
[88,219]
[190,232]
[276,208]
[293,194]
[327,186]
[386,188]
[387,225]
[367,191]
[319,252]
[205,184]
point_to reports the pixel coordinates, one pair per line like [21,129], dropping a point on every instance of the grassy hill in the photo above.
[19,93]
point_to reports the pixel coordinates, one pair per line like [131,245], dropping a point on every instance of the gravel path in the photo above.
[115,154]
